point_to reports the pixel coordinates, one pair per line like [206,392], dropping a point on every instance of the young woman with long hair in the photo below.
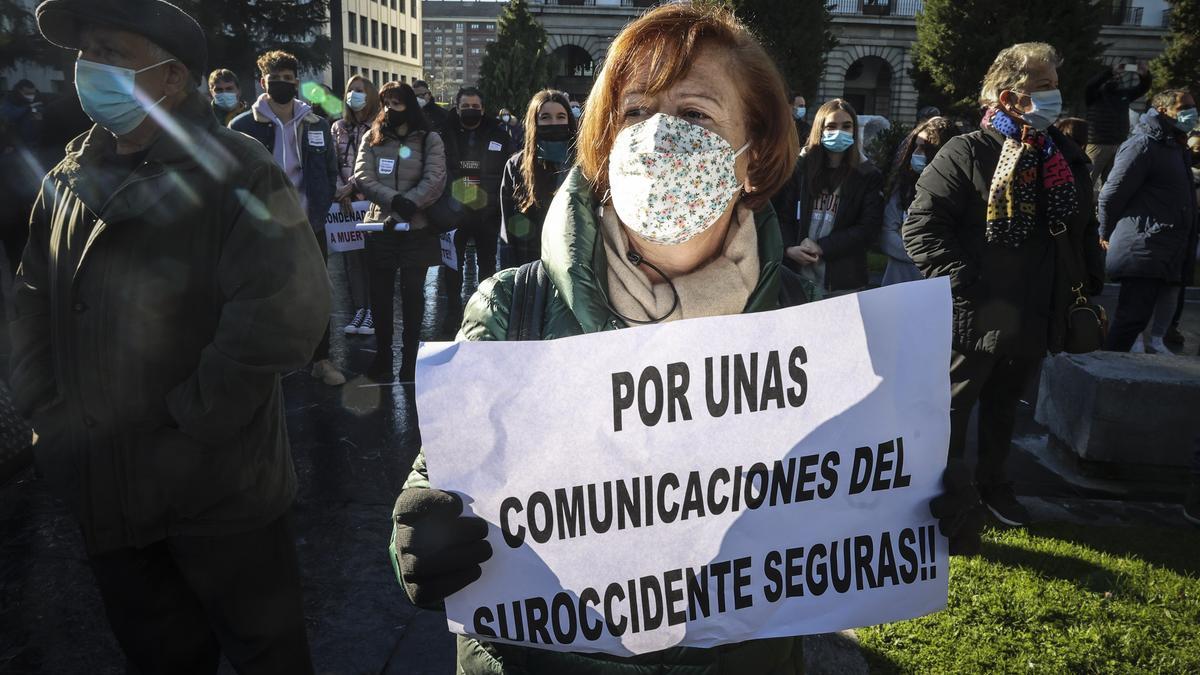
[362,106]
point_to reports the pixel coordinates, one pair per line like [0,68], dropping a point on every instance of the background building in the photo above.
[456,37]
[870,65]
[379,39]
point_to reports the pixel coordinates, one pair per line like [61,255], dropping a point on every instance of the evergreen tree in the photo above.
[19,37]
[1179,65]
[796,33]
[958,39]
[516,66]
[239,31]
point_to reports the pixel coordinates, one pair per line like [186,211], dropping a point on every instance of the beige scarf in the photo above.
[721,287]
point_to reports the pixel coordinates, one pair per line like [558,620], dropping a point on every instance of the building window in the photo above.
[393,4]
[375,76]
[458,51]
[414,46]
[395,77]
[414,7]
[374,33]
[352,26]
[353,70]
[383,38]
[491,26]
[458,28]
[474,51]
[362,30]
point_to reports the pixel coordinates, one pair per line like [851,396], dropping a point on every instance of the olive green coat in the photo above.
[574,259]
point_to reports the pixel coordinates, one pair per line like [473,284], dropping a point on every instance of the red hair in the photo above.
[666,40]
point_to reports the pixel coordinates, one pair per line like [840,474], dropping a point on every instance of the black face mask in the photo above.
[470,117]
[281,92]
[553,132]
[396,117]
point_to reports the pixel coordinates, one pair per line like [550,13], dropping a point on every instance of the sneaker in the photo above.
[1003,504]
[1173,338]
[1191,505]
[1157,346]
[367,325]
[325,371]
[1139,346]
[355,324]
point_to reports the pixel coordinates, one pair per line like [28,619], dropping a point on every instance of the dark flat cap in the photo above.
[160,22]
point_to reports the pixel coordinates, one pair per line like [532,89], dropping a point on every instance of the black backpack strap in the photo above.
[530,291]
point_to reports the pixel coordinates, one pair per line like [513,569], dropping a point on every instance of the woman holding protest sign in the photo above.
[362,107]
[1006,213]
[401,168]
[666,217]
[533,175]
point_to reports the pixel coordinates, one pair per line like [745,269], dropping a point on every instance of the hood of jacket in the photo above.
[574,255]
[261,110]
[1156,126]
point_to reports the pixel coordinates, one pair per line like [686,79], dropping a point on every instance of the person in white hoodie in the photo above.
[303,146]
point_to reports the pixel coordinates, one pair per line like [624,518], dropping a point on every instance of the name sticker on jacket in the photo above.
[494,146]
[386,166]
[316,139]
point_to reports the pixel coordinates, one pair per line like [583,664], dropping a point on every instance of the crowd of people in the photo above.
[176,268]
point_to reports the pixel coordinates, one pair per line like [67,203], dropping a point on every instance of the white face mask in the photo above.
[670,179]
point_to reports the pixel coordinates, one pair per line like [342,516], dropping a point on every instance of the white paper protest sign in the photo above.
[341,233]
[449,253]
[700,482]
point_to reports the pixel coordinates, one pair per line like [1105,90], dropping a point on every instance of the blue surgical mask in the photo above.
[799,111]
[837,141]
[1047,107]
[918,163]
[225,100]
[1186,119]
[108,95]
[357,100]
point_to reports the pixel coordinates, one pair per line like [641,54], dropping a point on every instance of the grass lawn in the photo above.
[1059,598]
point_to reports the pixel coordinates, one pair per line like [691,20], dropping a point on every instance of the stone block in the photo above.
[1123,408]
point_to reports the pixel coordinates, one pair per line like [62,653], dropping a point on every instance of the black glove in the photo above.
[404,207]
[959,512]
[439,550]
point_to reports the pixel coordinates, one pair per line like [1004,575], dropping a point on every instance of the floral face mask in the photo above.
[670,179]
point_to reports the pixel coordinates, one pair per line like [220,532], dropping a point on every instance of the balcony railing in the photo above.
[1123,16]
[905,8]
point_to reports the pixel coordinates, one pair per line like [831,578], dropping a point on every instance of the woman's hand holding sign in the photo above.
[438,550]
[959,511]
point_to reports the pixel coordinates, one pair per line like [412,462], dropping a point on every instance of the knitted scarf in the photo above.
[1012,210]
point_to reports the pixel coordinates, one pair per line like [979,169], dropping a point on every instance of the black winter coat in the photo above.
[155,309]
[1148,205]
[319,160]
[523,229]
[477,156]
[858,222]
[1007,301]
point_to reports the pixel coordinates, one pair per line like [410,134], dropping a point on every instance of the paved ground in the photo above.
[353,447]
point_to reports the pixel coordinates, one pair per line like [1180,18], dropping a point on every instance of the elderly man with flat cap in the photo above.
[170,278]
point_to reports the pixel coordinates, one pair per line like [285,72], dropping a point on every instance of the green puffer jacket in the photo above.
[574,260]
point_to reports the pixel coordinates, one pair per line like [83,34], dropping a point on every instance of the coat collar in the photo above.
[574,255]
